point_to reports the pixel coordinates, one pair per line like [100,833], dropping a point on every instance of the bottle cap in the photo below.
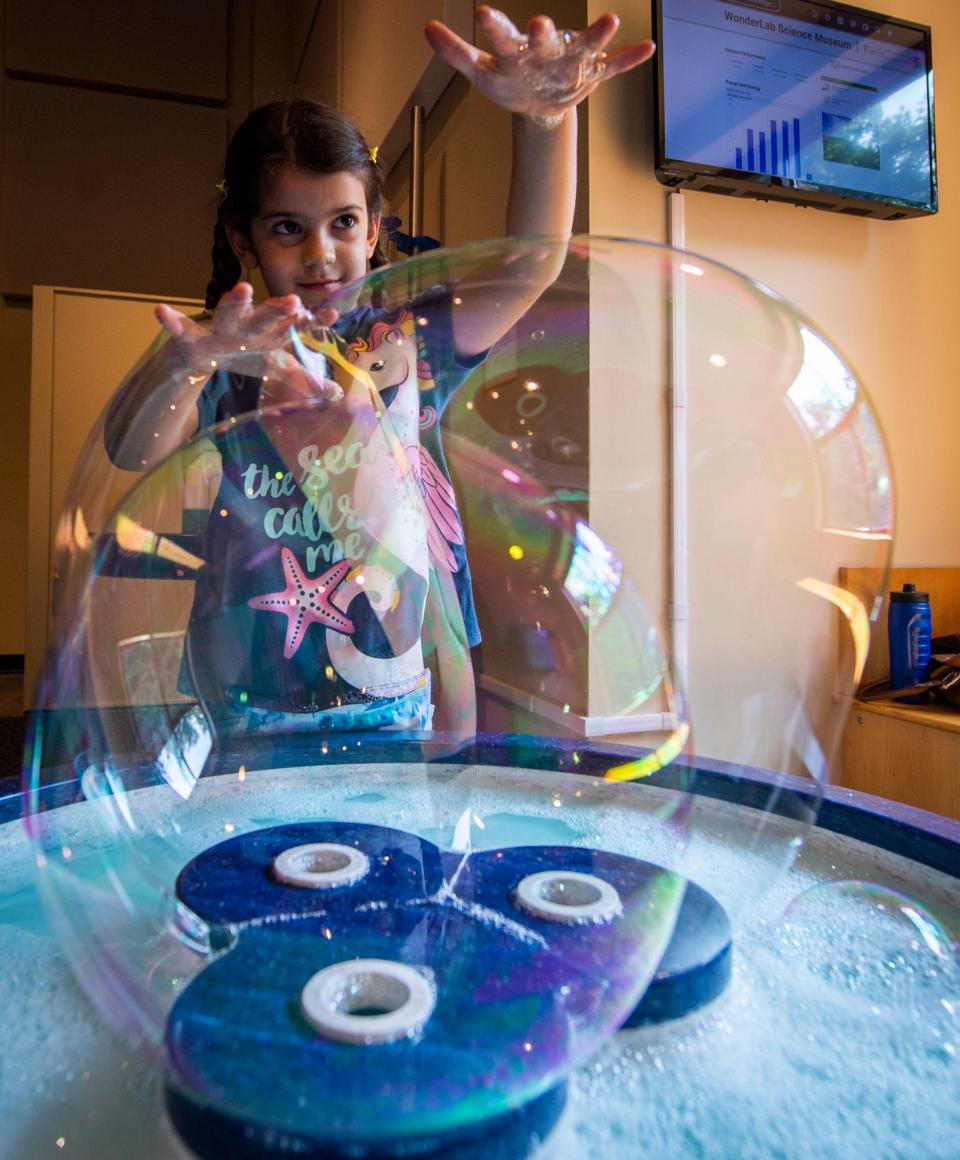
[909,595]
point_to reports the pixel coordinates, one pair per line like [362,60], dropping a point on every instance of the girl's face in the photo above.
[312,235]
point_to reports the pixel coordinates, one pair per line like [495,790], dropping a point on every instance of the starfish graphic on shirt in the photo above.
[305,601]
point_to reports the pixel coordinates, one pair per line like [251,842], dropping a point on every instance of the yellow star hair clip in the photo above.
[374,153]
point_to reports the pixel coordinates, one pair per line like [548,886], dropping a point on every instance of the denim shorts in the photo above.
[413,711]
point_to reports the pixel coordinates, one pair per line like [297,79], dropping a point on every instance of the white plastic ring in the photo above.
[368,1001]
[568,896]
[320,865]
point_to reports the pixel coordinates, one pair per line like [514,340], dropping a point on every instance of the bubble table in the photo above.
[596,488]
[809,1050]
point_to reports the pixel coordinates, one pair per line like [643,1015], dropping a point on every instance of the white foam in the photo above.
[784,1064]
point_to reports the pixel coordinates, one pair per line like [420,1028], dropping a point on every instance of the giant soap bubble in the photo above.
[334,917]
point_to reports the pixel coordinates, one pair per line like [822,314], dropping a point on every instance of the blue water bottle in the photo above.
[908,633]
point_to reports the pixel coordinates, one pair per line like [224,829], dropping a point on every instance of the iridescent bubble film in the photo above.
[423,653]
[565,74]
[880,964]
[879,946]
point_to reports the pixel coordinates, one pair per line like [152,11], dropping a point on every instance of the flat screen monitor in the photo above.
[796,100]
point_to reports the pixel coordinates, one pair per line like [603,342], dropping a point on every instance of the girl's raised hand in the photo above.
[544,73]
[237,329]
[251,339]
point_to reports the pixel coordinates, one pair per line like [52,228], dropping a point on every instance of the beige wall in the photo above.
[467,151]
[886,293]
[113,122]
[15,333]
[850,276]
[372,23]
[84,343]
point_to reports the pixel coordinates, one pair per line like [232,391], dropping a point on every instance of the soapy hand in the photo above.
[544,73]
[240,335]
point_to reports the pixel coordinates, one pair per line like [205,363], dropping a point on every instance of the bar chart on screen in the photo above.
[773,149]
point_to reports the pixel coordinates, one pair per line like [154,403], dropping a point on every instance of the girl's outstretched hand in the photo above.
[237,329]
[153,412]
[544,73]
[251,338]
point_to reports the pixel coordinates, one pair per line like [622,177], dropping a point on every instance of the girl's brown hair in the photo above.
[306,134]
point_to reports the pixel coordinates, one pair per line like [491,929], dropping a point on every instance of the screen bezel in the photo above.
[677,173]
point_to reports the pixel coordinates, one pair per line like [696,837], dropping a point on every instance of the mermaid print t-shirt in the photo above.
[330,522]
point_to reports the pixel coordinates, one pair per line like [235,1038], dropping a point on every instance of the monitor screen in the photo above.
[796,100]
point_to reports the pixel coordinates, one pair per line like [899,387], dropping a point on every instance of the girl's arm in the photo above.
[540,78]
[543,178]
[154,411]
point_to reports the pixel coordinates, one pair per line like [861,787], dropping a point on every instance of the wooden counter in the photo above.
[910,753]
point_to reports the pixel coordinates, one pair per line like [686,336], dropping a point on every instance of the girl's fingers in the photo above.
[455,51]
[238,324]
[501,33]
[623,59]
[241,290]
[542,36]
[600,32]
[172,321]
[288,304]
[231,308]
[236,298]
[329,389]
[273,319]
[279,313]
[325,316]
[502,75]
[238,329]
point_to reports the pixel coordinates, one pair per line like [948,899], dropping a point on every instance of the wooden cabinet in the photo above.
[84,342]
[910,754]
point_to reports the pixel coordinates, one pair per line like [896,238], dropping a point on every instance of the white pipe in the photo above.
[677,418]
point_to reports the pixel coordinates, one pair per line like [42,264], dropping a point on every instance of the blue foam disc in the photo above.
[239,1045]
[213,1135]
[251,1071]
[233,882]
[696,965]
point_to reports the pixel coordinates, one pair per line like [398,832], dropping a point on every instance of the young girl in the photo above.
[309,613]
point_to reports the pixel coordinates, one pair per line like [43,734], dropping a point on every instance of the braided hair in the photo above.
[306,134]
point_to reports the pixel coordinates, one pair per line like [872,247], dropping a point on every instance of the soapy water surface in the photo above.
[814,1050]
[775,1067]
[137,951]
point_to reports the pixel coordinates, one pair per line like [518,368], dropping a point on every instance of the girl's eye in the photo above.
[347,221]
[286,227]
